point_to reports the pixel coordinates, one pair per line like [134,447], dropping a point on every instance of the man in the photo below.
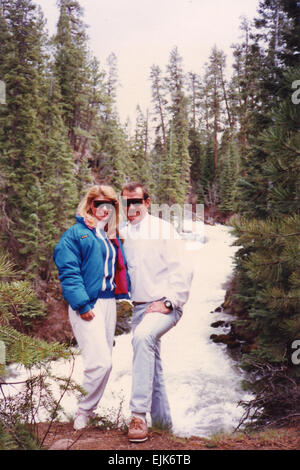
[159,289]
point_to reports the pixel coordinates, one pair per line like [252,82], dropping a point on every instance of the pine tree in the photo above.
[142,170]
[159,150]
[244,88]
[170,190]
[39,191]
[268,45]
[207,173]
[159,103]
[281,142]
[269,285]
[272,24]
[59,195]
[214,89]
[179,128]
[196,152]
[196,131]
[291,35]
[227,177]
[21,133]
[78,77]
[111,87]
[254,98]
[110,147]
[267,264]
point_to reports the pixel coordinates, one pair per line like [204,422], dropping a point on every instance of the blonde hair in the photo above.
[85,211]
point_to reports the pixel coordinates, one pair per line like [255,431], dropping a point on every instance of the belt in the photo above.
[141,303]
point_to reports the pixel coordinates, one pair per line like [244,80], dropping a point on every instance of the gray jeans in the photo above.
[148,388]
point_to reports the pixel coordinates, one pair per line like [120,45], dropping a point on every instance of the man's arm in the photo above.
[179,278]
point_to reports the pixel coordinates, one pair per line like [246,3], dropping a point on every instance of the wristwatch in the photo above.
[168,304]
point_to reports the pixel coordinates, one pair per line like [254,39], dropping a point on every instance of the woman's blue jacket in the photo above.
[79,259]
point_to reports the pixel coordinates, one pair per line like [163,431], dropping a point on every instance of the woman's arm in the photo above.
[67,258]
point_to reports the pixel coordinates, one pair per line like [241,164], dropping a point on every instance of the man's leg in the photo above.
[160,408]
[147,370]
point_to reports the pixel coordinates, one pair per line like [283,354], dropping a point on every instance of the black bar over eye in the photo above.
[108,204]
[134,201]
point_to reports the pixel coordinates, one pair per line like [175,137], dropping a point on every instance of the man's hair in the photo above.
[135,185]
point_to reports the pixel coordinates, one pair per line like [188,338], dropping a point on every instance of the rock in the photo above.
[227,339]
[243,333]
[61,444]
[217,324]
[246,348]
[124,314]
[220,338]
[233,344]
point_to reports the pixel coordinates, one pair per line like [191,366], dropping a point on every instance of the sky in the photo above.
[144,32]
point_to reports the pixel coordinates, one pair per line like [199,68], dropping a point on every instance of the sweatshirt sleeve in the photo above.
[67,258]
[179,275]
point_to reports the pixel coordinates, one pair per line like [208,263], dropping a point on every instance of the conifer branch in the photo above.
[297,152]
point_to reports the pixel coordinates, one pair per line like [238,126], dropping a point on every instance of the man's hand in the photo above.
[88,316]
[157,306]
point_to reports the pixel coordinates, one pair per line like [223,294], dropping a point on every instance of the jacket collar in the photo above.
[82,221]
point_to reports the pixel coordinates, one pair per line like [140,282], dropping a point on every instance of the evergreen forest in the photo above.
[228,141]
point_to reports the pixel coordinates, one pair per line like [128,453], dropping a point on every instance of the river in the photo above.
[203,381]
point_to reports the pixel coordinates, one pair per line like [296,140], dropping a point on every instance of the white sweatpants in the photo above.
[95,340]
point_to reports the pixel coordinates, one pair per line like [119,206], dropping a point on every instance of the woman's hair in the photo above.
[84,208]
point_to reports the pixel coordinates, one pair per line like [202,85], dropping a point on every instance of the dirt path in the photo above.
[62,437]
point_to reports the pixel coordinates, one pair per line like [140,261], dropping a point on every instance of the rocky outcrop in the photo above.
[240,336]
[124,314]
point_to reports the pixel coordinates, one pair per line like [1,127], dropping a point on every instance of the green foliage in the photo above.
[19,305]
[269,285]
[291,35]
[172,161]
[196,151]
[18,301]
[207,168]
[26,350]
[38,188]
[40,391]
[17,436]
[268,263]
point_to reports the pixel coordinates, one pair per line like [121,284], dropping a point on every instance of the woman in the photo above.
[93,273]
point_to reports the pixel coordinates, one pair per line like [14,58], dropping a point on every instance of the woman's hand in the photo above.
[157,306]
[88,316]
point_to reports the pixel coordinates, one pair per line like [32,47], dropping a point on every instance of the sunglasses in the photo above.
[108,204]
[135,201]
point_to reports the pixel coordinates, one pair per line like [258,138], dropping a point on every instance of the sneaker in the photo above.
[138,430]
[80,421]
